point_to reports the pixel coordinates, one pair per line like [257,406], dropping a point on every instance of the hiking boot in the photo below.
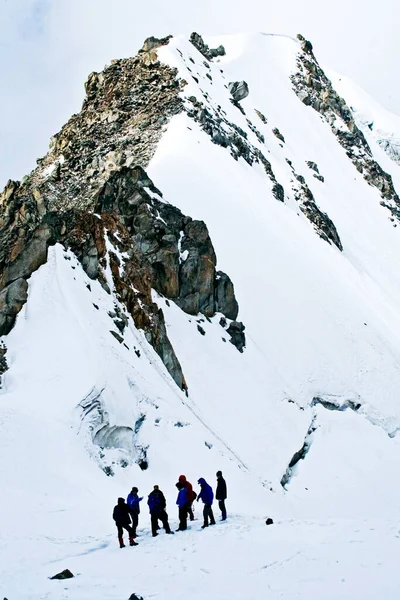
[132,542]
[170,532]
[121,543]
[204,526]
[155,534]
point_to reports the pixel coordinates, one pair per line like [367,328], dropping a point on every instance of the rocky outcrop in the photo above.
[278,134]
[323,225]
[208,53]
[177,250]
[314,167]
[227,134]
[91,194]
[124,114]
[12,299]
[314,89]
[300,454]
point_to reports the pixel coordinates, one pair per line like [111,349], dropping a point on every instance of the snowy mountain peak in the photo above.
[201,274]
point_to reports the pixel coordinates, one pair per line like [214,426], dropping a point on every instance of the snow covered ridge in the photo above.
[200,275]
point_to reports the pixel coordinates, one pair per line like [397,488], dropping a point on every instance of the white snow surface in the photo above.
[319,323]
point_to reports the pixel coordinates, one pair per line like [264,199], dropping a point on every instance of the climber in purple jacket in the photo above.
[207,496]
[182,502]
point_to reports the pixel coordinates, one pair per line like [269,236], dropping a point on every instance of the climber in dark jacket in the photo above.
[221,494]
[182,502]
[122,518]
[133,502]
[191,495]
[207,496]
[157,505]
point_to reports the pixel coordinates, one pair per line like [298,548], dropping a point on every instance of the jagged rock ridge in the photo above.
[89,191]
[315,89]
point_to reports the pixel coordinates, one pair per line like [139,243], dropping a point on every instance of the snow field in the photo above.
[318,323]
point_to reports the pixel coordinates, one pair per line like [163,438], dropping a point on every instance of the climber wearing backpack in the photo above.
[191,495]
[207,496]
[133,502]
[122,518]
[157,505]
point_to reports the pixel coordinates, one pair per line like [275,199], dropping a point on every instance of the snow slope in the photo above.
[319,323]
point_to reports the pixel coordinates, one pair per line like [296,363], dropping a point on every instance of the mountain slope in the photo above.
[200,275]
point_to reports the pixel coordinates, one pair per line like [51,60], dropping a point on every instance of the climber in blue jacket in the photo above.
[133,502]
[182,502]
[207,496]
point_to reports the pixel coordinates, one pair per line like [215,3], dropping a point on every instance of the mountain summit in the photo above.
[202,274]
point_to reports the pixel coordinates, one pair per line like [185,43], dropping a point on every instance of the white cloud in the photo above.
[48,47]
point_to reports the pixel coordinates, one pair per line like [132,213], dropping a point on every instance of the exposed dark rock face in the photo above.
[208,53]
[334,404]
[278,134]
[314,89]
[126,109]
[229,135]
[225,301]
[178,253]
[313,166]
[239,90]
[300,454]
[12,299]
[254,129]
[261,116]
[90,193]
[323,225]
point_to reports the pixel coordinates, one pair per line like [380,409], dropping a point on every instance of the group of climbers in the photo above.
[126,515]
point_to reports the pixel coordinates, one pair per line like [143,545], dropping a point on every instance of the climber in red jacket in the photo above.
[191,495]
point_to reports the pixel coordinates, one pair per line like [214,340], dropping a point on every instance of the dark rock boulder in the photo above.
[239,90]
[278,192]
[236,331]
[66,574]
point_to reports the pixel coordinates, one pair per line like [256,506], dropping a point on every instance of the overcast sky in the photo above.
[48,47]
